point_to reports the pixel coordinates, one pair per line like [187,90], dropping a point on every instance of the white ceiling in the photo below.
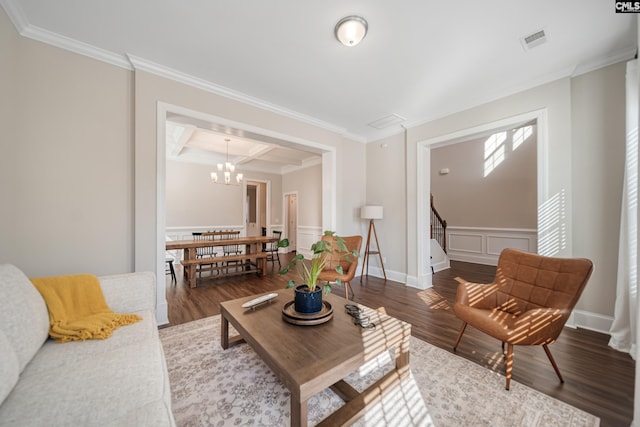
[420,60]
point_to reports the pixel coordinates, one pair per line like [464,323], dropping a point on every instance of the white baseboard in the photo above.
[162,313]
[592,321]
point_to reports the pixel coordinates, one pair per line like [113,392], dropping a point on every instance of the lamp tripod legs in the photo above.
[368,252]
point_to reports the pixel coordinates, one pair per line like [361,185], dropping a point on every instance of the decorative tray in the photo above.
[290,315]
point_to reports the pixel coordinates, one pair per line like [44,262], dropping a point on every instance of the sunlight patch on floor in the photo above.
[434,300]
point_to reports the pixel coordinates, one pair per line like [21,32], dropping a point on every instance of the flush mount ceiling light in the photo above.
[351,30]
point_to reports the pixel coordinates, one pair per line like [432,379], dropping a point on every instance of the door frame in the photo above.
[152,228]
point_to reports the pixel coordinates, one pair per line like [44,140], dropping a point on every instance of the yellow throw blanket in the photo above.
[77,309]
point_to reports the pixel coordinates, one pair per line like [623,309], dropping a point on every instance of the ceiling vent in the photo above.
[388,121]
[534,39]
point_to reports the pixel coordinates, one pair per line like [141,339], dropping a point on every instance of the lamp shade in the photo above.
[371,212]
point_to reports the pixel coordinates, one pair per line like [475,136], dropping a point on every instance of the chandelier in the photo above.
[227,168]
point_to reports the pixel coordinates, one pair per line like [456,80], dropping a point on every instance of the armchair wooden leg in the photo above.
[464,326]
[509,364]
[553,362]
[353,294]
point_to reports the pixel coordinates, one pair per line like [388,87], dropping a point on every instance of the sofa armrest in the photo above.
[128,293]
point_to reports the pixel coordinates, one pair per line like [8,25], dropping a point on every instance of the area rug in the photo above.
[215,387]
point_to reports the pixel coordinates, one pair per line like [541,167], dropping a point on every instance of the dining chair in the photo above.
[345,259]
[169,260]
[272,249]
[205,252]
[528,302]
[231,249]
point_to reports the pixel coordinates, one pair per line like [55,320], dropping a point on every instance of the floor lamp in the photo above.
[371,213]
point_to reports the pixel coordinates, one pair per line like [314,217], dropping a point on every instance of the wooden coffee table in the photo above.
[308,359]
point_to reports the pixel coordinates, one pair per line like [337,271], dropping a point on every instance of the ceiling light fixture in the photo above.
[228,169]
[350,30]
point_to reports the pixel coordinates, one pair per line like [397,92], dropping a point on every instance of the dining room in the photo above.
[215,181]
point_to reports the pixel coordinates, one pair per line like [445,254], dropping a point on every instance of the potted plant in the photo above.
[308,294]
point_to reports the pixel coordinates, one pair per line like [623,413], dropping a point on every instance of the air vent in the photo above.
[534,39]
[388,121]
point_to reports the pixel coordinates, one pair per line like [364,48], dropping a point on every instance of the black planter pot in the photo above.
[307,302]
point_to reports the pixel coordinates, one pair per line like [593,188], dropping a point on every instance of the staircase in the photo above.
[438,236]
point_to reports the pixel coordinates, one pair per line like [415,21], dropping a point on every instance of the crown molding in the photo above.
[141,64]
[623,55]
[81,48]
[25,29]
[15,15]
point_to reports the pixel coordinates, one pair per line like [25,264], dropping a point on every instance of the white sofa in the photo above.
[120,381]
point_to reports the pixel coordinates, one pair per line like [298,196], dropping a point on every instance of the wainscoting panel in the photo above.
[307,236]
[483,245]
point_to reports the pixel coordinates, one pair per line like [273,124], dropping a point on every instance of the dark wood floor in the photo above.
[598,379]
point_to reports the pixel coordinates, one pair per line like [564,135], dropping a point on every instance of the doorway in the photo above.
[291,220]
[423,164]
[256,200]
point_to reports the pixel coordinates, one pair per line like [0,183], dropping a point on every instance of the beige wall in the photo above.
[308,183]
[598,126]
[68,144]
[583,160]
[9,42]
[192,200]
[506,198]
[386,186]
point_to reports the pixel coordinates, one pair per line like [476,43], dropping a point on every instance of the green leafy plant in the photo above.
[322,250]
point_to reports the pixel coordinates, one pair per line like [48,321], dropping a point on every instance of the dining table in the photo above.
[253,249]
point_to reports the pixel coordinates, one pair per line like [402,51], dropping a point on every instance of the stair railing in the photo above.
[438,227]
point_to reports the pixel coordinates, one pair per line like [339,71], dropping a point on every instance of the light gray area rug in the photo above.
[215,387]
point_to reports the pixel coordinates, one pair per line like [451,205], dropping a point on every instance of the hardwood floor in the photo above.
[598,379]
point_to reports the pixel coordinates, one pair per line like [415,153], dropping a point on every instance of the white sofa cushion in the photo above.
[24,317]
[9,367]
[93,391]
[54,354]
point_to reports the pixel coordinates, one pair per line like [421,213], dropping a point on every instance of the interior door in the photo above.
[253,209]
[291,224]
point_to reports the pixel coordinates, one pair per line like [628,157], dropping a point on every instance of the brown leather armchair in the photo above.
[348,262]
[528,302]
